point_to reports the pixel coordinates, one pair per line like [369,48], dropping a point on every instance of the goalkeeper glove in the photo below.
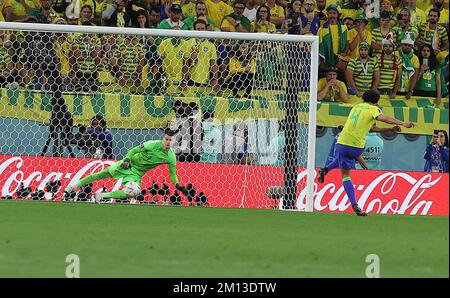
[126,164]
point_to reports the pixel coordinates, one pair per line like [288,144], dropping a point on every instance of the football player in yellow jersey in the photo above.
[352,139]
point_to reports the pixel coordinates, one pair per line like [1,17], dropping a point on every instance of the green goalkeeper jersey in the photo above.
[150,155]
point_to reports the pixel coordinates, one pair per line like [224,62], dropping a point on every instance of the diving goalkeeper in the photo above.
[133,167]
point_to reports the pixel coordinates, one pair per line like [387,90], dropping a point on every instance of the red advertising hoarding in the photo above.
[385,192]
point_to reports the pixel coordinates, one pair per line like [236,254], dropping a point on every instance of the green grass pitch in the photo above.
[116,240]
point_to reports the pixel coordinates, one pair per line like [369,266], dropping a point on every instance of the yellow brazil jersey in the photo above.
[19,10]
[359,122]
[367,37]
[172,53]
[418,17]
[277,11]
[333,93]
[188,10]
[63,48]
[202,65]
[265,29]
[425,5]
[237,66]
[217,10]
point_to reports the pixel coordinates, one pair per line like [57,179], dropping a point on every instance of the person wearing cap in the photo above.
[404,23]
[236,21]
[389,65]
[380,33]
[330,88]
[358,34]
[216,10]
[174,21]
[333,39]
[363,73]
[432,33]
[408,71]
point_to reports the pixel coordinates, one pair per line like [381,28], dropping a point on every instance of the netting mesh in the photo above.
[73,103]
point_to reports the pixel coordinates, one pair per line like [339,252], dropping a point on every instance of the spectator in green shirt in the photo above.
[174,20]
[429,82]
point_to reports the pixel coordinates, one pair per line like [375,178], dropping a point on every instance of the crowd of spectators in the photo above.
[399,48]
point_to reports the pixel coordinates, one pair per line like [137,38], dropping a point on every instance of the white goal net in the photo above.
[75,99]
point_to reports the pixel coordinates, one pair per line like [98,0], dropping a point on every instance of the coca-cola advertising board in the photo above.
[224,185]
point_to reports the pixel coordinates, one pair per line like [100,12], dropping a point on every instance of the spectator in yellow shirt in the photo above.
[418,16]
[242,70]
[277,14]
[18,10]
[200,61]
[330,88]
[236,22]
[358,34]
[217,10]
[262,22]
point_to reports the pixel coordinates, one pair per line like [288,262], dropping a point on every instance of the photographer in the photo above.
[436,154]
[96,141]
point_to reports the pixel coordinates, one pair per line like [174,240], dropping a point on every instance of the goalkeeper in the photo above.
[133,167]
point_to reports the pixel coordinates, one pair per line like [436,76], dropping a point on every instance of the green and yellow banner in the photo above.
[148,111]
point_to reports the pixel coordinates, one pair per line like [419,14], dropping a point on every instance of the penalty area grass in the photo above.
[122,240]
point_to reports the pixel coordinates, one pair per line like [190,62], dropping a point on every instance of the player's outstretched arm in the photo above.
[390,129]
[391,120]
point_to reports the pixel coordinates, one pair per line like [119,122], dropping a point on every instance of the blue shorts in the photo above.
[346,156]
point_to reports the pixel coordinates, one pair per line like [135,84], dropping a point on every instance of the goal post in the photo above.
[245,104]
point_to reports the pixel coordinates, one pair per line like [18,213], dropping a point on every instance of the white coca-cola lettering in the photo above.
[410,203]
[12,183]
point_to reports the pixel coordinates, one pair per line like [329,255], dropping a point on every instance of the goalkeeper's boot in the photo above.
[322,173]
[358,210]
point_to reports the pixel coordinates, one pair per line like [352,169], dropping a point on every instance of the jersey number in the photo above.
[355,115]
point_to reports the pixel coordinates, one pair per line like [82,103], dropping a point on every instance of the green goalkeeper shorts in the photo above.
[130,175]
